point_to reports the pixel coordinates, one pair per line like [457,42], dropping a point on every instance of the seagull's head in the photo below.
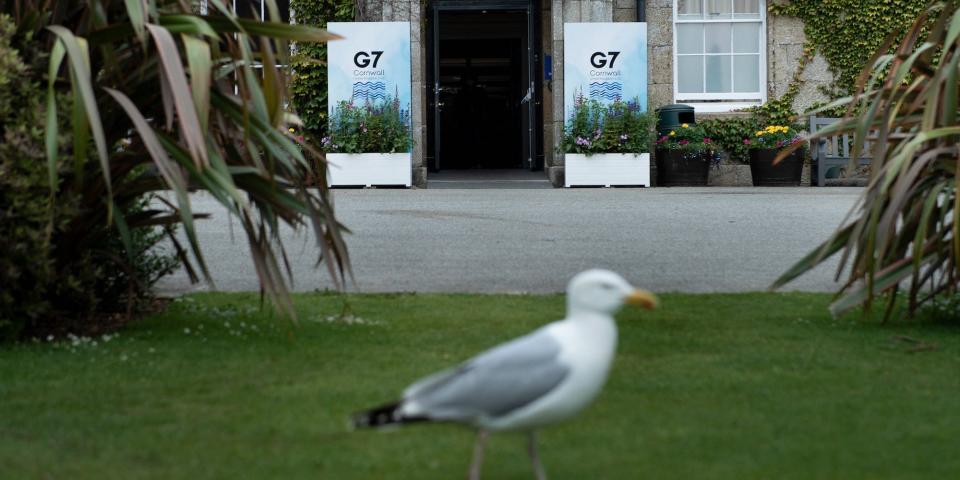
[602,291]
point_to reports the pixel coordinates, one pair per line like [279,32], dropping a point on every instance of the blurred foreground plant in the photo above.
[904,232]
[149,97]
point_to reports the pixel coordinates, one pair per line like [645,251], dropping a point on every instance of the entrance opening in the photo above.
[485,98]
[481,89]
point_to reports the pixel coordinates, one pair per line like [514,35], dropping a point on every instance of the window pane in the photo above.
[746,8]
[717,38]
[688,8]
[689,38]
[719,8]
[718,74]
[690,74]
[746,38]
[746,73]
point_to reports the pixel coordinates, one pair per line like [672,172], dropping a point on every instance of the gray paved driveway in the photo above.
[664,239]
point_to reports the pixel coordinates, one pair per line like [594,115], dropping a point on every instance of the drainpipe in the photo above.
[641,10]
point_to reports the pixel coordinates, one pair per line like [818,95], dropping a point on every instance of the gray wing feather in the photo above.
[493,383]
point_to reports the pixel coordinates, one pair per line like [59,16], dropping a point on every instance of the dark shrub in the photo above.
[48,286]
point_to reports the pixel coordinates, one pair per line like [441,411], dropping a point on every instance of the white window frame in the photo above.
[722,102]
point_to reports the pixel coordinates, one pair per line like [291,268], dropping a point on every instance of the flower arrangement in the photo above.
[773,137]
[618,127]
[380,127]
[689,138]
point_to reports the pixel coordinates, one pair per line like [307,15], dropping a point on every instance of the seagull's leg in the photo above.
[474,473]
[534,456]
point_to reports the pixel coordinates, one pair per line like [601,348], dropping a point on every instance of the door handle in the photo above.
[527,97]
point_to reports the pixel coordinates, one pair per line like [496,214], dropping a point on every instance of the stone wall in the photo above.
[785,40]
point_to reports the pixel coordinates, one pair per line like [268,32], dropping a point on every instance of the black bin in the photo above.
[670,117]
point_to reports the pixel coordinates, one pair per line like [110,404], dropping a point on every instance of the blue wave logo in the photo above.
[606,90]
[369,90]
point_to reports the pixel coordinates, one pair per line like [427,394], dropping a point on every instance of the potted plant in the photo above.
[607,144]
[684,156]
[369,144]
[764,148]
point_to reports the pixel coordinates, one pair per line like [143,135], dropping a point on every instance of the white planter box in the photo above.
[607,169]
[368,169]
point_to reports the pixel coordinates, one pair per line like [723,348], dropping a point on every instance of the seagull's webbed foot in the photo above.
[474,473]
[538,470]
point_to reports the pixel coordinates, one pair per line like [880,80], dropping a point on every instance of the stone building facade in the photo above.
[780,54]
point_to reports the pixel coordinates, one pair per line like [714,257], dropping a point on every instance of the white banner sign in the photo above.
[606,62]
[370,65]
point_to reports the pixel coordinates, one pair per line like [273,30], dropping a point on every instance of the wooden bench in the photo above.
[832,152]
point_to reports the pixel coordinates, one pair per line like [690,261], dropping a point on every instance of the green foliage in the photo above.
[25,204]
[848,32]
[732,134]
[618,127]
[381,127]
[905,233]
[942,309]
[48,286]
[686,137]
[308,86]
[156,100]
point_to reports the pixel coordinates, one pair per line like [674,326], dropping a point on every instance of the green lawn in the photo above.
[709,386]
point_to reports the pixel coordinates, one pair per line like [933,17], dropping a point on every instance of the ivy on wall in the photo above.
[848,32]
[309,84]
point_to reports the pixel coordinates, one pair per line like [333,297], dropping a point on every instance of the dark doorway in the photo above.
[481,91]
[484,100]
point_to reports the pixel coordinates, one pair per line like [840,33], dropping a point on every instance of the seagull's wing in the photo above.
[493,383]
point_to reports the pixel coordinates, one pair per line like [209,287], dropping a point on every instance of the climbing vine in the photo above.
[309,85]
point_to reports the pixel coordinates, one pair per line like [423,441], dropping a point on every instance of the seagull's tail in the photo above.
[390,414]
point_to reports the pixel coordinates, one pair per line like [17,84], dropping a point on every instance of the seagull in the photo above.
[533,381]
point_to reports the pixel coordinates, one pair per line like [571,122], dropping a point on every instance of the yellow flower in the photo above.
[685,125]
[760,133]
[291,130]
[673,134]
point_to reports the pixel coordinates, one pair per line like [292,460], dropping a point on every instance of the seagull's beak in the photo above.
[643,299]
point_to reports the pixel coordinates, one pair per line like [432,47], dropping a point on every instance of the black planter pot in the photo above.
[787,173]
[677,168]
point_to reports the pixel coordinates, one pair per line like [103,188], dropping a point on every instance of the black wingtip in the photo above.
[383,416]
[377,417]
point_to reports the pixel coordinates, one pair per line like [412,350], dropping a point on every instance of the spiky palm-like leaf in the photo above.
[904,232]
[163,99]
